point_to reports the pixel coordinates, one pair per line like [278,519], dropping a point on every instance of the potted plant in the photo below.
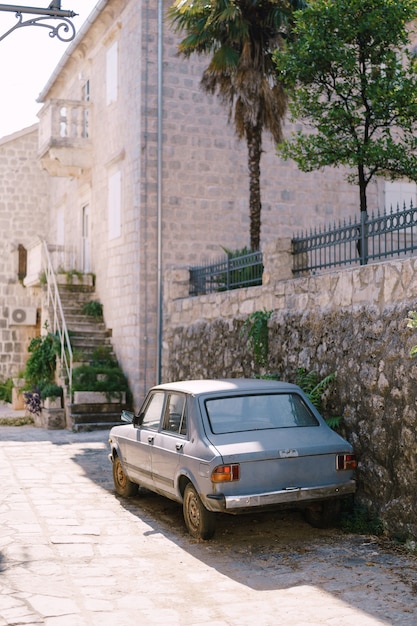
[99,383]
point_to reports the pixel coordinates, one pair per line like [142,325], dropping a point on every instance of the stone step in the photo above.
[86,428]
[86,335]
[89,342]
[83,334]
[87,410]
[73,296]
[83,321]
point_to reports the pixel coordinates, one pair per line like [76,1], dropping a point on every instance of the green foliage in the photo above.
[6,390]
[17,421]
[315,388]
[94,308]
[103,356]
[312,386]
[360,520]
[255,329]
[70,274]
[412,323]
[267,376]
[101,378]
[352,78]
[41,364]
[50,390]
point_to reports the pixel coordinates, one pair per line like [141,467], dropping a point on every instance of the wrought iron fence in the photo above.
[380,236]
[227,273]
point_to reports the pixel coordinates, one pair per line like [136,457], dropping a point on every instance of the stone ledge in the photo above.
[99,397]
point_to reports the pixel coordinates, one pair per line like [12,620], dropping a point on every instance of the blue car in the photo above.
[232,446]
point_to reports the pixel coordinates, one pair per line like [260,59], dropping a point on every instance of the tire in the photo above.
[200,523]
[124,487]
[323,514]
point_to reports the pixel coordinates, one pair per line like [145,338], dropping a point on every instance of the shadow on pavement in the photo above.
[262,551]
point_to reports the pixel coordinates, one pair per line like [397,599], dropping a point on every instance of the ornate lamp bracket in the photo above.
[64,30]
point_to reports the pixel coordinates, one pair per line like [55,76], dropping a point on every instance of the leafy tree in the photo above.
[241,36]
[353,79]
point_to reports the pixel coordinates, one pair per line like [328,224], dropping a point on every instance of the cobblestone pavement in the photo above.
[74,554]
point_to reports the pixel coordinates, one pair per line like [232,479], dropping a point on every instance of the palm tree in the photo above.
[241,36]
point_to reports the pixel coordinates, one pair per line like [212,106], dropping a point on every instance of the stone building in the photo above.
[140,171]
[24,197]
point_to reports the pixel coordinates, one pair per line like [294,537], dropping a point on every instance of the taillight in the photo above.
[346,461]
[225,473]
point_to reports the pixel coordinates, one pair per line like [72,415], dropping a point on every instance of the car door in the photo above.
[169,442]
[138,452]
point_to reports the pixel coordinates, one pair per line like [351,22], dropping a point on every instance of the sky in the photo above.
[28,57]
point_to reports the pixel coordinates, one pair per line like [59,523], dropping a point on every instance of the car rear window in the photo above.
[258,412]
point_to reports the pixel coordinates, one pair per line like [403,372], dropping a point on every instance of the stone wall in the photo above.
[23,200]
[351,322]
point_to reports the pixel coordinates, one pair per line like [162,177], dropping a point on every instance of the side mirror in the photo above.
[127,417]
[137,420]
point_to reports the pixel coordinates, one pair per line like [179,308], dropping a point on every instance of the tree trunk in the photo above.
[254,141]
[363,235]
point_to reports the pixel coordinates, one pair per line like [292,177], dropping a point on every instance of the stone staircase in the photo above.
[87,334]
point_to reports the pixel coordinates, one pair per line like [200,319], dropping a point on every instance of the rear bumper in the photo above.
[299,495]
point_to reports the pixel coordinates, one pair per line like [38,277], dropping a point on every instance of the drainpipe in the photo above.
[159,196]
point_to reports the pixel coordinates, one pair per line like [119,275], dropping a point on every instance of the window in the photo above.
[258,412]
[115,205]
[175,420]
[153,411]
[111,74]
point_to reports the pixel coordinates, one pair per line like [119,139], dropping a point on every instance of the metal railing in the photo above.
[380,236]
[227,273]
[59,325]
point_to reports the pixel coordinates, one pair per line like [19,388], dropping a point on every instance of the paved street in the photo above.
[74,554]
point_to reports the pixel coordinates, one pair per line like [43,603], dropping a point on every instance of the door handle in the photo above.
[150,439]
[179,446]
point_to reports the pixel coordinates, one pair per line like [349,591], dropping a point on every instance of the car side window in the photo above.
[175,417]
[153,410]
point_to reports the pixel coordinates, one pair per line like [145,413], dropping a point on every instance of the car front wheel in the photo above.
[201,523]
[124,486]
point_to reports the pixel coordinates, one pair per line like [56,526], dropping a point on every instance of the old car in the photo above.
[232,446]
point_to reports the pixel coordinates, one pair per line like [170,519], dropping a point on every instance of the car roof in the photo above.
[196,387]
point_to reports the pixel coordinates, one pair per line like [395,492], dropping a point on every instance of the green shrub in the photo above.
[6,390]
[360,520]
[315,388]
[41,364]
[91,378]
[103,356]
[50,390]
[93,308]
[255,329]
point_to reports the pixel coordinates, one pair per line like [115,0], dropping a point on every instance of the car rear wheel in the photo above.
[323,514]
[201,523]
[124,486]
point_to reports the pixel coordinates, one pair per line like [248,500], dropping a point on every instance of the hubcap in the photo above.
[193,511]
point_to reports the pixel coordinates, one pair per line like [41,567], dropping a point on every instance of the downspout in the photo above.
[159,197]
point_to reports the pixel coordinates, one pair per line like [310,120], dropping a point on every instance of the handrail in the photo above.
[59,325]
